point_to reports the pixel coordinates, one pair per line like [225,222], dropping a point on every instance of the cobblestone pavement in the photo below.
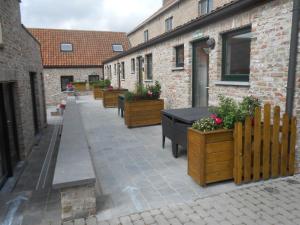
[272,202]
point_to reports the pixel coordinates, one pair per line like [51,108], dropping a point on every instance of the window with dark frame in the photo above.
[132,65]
[236,55]
[1,35]
[64,81]
[149,67]
[94,78]
[205,6]
[169,24]
[110,72]
[115,69]
[66,47]
[179,56]
[123,70]
[146,35]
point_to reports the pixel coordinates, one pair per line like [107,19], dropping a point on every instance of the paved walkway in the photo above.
[270,203]
[134,172]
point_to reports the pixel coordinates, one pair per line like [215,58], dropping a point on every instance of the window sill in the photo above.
[133,72]
[148,81]
[122,79]
[232,83]
[177,68]
[1,45]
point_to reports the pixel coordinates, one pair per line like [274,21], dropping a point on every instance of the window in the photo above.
[179,56]
[169,24]
[115,69]
[132,65]
[117,48]
[1,35]
[93,78]
[149,67]
[236,55]
[64,81]
[146,35]
[66,47]
[205,6]
[123,70]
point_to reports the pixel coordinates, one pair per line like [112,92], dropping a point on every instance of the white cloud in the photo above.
[115,15]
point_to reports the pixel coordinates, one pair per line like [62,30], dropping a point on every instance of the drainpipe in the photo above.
[293,58]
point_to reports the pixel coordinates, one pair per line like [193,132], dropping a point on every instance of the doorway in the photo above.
[200,74]
[140,70]
[33,87]
[9,151]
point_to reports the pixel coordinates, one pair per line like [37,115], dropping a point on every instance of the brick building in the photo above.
[74,55]
[22,105]
[200,49]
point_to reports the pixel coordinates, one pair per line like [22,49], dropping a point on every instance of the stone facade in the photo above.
[54,94]
[19,57]
[156,26]
[78,202]
[270,44]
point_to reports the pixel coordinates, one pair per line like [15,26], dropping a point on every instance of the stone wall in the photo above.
[20,56]
[157,26]
[54,95]
[271,27]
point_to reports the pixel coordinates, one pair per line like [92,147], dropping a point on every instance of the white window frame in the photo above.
[66,45]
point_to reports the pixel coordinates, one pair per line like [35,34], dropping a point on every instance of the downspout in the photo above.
[293,59]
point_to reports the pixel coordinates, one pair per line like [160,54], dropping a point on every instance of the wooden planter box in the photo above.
[210,156]
[143,112]
[98,93]
[110,97]
[80,86]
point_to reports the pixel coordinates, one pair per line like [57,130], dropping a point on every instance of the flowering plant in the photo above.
[228,113]
[150,92]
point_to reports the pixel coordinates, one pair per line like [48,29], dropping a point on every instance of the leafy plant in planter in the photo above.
[102,83]
[150,92]
[228,113]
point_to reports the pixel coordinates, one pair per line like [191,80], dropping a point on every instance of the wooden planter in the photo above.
[98,93]
[110,97]
[80,86]
[143,112]
[210,156]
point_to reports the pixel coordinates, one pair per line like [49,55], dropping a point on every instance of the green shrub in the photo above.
[101,83]
[150,92]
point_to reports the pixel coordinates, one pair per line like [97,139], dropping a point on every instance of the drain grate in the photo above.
[271,190]
[292,181]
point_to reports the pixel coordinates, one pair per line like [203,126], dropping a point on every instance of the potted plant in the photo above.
[143,108]
[210,140]
[110,96]
[98,88]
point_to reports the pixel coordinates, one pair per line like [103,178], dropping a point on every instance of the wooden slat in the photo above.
[275,142]
[284,145]
[247,149]
[257,145]
[266,141]
[238,153]
[293,136]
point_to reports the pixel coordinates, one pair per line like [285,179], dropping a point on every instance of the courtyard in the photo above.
[133,170]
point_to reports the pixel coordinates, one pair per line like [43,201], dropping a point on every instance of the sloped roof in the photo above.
[90,48]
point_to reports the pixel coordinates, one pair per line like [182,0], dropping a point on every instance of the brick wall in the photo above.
[19,56]
[157,26]
[52,77]
[271,27]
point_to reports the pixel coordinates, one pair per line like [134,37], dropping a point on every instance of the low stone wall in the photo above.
[74,173]
[78,202]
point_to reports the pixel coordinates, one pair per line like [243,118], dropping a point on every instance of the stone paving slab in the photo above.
[269,203]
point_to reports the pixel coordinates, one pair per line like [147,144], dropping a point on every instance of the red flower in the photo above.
[218,120]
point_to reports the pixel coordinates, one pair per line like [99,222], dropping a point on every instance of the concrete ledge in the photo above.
[74,174]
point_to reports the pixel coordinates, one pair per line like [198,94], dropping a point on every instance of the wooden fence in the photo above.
[264,149]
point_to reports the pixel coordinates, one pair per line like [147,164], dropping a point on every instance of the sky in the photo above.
[104,15]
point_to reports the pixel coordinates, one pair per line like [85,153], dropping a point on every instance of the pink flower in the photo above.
[213,116]
[218,120]
[150,93]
